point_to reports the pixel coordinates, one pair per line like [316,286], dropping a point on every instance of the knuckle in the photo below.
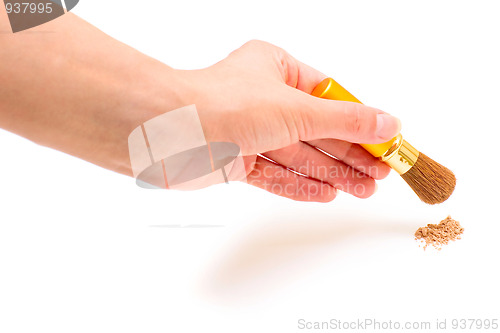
[263,45]
[296,158]
[255,43]
[354,119]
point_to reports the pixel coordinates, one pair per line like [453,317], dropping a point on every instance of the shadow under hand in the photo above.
[285,248]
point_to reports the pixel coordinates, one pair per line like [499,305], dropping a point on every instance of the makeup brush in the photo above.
[432,182]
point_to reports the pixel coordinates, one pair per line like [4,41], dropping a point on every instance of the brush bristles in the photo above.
[432,182]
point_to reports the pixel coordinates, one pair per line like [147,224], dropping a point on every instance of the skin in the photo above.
[69,86]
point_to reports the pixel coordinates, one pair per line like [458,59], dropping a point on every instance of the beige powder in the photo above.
[440,234]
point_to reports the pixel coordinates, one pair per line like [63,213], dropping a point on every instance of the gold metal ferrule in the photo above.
[401,156]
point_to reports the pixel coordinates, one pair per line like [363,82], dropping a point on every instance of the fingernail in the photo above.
[387,126]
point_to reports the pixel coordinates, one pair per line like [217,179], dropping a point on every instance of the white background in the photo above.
[85,250]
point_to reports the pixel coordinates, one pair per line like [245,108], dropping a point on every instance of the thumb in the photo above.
[320,118]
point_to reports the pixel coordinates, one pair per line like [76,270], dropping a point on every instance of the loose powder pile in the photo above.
[440,234]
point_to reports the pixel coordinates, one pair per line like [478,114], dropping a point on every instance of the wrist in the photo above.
[156,89]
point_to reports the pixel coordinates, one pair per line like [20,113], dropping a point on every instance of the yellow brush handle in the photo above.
[329,89]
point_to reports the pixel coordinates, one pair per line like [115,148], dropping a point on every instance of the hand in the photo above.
[258,97]
[85,101]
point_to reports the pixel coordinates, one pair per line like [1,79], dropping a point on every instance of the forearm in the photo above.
[69,86]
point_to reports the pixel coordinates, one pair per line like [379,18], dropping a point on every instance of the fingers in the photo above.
[346,121]
[317,118]
[293,72]
[309,161]
[354,121]
[301,76]
[353,155]
[280,181]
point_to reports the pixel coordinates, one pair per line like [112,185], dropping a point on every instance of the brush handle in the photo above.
[330,89]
